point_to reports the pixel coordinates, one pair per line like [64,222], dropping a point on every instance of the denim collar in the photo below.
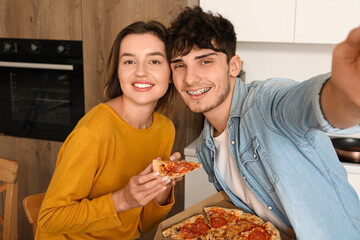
[238,98]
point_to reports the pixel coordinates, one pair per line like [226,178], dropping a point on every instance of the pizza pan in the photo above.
[347,149]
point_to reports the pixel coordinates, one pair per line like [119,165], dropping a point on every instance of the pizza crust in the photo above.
[156,164]
[275,232]
[174,232]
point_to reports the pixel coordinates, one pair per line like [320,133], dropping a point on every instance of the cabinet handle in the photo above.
[66,67]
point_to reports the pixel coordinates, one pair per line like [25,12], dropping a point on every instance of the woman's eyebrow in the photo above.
[149,54]
[156,54]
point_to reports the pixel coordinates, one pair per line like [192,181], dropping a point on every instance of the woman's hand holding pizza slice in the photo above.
[140,190]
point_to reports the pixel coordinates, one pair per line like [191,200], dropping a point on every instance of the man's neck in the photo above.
[219,116]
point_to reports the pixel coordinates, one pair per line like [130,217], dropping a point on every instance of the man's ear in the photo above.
[235,66]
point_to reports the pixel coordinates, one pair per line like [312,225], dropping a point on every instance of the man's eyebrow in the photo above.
[196,57]
[176,60]
[205,55]
[149,54]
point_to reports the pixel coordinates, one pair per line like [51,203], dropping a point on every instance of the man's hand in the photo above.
[140,190]
[340,97]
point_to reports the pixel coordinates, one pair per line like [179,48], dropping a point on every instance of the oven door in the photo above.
[40,100]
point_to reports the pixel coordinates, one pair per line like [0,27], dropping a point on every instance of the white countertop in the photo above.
[352,167]
[190,150]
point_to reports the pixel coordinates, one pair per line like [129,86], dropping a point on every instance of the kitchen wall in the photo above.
[289,60]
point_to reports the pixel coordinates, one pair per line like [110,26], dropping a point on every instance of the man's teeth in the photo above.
[199,91]
[142,85]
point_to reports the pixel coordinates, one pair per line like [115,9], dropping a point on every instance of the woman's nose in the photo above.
[141,69]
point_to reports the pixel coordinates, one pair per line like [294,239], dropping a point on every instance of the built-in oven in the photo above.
[41,87]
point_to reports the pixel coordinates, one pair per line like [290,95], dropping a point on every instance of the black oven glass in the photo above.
[41,87]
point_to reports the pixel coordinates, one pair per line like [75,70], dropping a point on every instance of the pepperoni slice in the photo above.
[199,227]
[187,232]
[256,235]
[181,168]
[217,222]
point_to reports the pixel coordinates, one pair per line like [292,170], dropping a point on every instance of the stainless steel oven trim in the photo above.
[65,67]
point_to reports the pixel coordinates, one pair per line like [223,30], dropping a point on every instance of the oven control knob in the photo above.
[7,47]
[10,47]
[35,47]
[60,48]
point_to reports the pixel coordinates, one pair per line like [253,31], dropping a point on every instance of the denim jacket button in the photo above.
[270,207]
[255,155]
[244,177]
[232,142]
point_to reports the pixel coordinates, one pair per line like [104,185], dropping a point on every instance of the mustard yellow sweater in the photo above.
[98,158]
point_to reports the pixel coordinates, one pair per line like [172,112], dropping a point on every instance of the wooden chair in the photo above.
[9,171]
[32,204]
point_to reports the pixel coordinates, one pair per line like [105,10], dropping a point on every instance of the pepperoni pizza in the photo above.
[174,169]
[223,223]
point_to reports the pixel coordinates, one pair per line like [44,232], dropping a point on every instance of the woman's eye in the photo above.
[129,62]
[154,62]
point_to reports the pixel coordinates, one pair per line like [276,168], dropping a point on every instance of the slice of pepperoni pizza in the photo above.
[174,169]
[193,228]
[245,223]
[266,231]
[220,219]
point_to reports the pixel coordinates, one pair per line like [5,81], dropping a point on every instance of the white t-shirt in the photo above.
[229,172]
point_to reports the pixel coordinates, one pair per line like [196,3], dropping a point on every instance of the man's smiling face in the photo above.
[202,79]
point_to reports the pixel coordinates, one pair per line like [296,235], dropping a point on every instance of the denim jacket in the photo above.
[278,140]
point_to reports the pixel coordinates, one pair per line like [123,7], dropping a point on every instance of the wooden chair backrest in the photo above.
[9,171]
[32,204]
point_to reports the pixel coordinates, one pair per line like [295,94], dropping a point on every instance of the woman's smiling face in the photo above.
[143,69]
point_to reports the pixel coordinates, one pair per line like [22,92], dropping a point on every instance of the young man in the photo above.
[265,143]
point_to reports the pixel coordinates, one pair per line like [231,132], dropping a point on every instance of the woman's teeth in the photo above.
[199,91]
[142,85]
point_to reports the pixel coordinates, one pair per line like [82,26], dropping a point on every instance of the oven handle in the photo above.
[66,67]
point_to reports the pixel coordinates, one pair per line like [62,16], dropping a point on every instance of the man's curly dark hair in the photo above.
[194,28]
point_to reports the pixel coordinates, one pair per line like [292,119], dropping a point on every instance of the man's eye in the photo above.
[178,66]
[205,62]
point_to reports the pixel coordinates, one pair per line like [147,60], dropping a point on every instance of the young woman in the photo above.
[103,186]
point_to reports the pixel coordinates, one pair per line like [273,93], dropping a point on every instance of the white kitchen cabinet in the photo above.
[325,21]
[292,21]
[257,20]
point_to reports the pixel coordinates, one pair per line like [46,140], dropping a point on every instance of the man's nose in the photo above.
[191,76]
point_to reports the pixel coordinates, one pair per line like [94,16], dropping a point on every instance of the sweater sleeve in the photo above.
[153,213]
[66,207]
